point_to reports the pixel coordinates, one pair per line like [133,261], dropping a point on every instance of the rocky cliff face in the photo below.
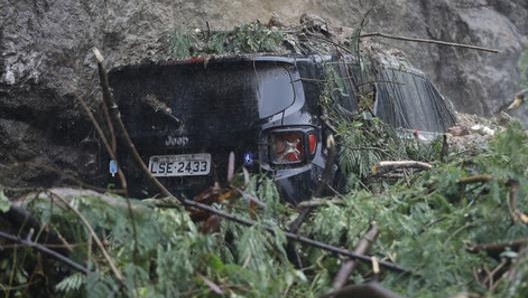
[46,60]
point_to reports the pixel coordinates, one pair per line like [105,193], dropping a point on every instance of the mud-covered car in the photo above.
[186,116]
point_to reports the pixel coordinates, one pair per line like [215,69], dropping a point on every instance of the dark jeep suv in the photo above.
[186,117]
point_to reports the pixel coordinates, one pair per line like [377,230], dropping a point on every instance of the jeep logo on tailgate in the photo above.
[176,141]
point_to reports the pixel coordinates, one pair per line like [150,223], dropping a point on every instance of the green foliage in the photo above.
[522,64]
[427,222]
[72,283]
[4,202]
[247,38]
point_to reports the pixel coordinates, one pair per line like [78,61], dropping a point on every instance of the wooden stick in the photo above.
[494,249]
[387,166]
[482,178]
[439,42]
[362,247]
[110,148]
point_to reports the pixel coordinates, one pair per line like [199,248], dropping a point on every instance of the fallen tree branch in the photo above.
[25,221]
[439,42]
[482,178]
[171,202]
[495,249]
[383,167]
[362,247]
[53,254]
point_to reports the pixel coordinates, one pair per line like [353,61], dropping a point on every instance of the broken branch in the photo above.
[172,202]
[383,167]
[475,179]
[55,255]
[494,249]
[433,41]
[362,247]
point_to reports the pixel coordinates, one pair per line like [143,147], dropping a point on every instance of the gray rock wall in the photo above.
[45,58]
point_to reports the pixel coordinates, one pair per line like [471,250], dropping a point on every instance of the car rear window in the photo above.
[274,88]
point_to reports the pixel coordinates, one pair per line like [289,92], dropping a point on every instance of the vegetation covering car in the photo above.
[187,116]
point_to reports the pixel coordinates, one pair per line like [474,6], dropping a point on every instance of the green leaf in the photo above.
[5,204]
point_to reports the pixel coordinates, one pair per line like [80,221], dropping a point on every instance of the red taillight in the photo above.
[287,147]
[312,143]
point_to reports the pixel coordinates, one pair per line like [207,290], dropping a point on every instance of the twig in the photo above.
[25,221]
[85,222]
[362,247]
[55,255]
[490,278]
[439,42]
[110,148]
[108,120]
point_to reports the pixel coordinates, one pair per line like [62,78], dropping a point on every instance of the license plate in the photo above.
[180,165]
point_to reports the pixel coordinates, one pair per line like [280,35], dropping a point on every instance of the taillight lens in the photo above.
[287,147]
[312,143]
